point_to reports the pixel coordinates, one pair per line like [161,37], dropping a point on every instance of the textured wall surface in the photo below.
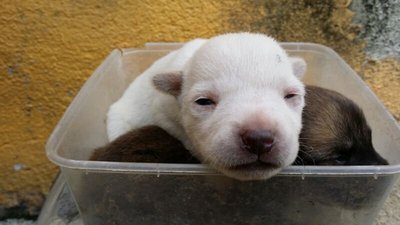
[381,26]
[49,48]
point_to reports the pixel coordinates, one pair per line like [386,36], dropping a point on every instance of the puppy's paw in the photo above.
[117,123]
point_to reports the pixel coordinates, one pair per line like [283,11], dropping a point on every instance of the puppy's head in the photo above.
[335,131]
[241,102]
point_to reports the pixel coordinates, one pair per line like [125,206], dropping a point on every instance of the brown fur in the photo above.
[147,144]
[334,132]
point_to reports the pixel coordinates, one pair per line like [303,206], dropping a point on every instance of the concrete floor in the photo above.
[390,213]
[17,222]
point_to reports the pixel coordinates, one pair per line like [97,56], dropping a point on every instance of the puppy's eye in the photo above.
[289,96]
[343,157]
[204,101]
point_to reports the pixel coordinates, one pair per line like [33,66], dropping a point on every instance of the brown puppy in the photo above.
[146,144]
[334,132]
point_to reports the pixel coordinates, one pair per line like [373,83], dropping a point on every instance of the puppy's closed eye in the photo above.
[292,98]
[204,101]
[289,96]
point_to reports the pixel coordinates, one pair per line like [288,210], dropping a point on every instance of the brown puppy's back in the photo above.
[146,144]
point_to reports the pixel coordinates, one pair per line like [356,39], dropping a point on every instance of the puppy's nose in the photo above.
[257,141]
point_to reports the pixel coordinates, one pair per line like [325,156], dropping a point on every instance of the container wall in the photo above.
[121,198]
[60,207]
[82,127]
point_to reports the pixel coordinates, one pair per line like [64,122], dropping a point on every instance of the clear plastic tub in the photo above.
[149,193]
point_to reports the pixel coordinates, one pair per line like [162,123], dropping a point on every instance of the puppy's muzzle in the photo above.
[258,141]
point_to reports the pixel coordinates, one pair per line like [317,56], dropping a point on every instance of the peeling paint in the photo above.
[19,166]
[11,70]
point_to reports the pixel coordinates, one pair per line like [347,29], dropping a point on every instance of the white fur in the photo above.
[142,104]
[247,75]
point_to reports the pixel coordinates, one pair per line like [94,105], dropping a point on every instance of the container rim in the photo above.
[202,169]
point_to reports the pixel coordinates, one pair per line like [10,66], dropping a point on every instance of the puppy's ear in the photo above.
[299,67]
[170,83]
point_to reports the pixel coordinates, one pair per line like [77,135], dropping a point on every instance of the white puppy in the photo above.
[235,101]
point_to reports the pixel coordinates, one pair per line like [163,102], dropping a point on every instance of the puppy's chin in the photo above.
[252,167]
[251,171]
[228,156]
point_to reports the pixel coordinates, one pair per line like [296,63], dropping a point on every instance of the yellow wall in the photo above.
[49,48]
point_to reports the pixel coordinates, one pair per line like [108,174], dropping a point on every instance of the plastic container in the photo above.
[149,193]
[59,208]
